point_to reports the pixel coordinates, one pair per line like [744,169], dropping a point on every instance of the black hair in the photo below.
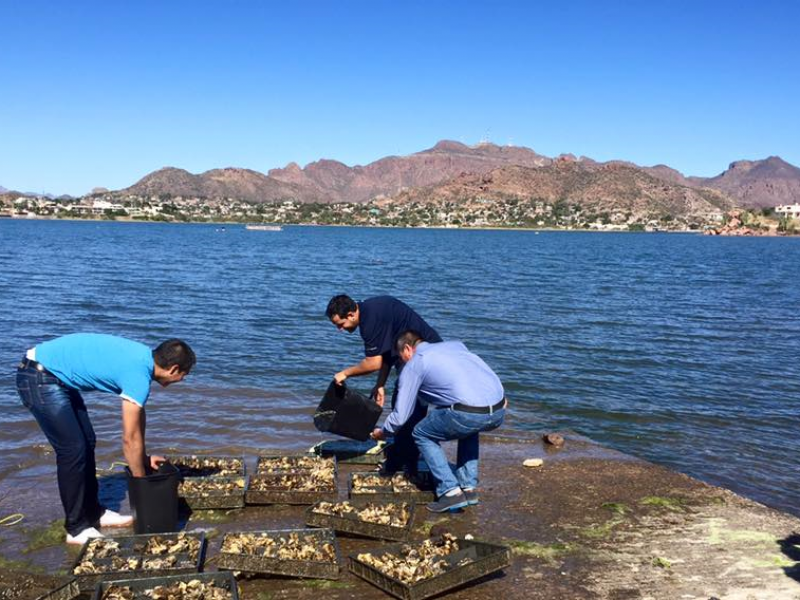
[174,352]
[341,306]
[410,338]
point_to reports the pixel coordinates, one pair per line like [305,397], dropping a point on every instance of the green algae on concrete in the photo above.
[45,537]
[617,508]
[673,504]
[719,534]
[661,562]
[7,564]
[326,584]
[547,552]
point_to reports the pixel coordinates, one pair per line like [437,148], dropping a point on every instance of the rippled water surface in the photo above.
[681,349]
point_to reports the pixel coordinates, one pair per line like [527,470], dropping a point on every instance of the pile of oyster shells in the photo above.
[158,545]
[155,554]
[88,566]
[303,481]
[274,464]
[392,514]
[287,547]
[415,562]
[198,466]
[206,486]
[184,590]
[372,483]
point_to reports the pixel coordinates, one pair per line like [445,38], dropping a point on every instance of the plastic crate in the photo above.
[252,563]
[386,493]
[128,545]
[351,524]
[186,471]
[296,463]
[267,489]
[68,591]
[139,586]
[487,559]
[217,499]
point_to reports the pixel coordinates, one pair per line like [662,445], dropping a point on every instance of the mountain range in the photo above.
[454,170]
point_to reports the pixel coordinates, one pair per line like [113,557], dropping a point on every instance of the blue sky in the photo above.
[102,93]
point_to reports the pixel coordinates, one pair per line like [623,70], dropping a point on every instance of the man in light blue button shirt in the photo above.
[468,398]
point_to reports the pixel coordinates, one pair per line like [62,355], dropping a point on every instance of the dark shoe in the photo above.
[448,503]
[472,497]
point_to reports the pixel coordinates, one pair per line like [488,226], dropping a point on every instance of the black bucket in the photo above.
[154,500]
[346,412]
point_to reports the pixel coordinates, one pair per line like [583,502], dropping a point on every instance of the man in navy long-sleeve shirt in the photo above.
[468,398]
[380,321]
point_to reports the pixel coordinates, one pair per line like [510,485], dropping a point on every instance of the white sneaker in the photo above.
[114,519]
[84,536]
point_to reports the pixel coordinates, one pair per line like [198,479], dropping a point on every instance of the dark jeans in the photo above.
[62,415]
[403,454]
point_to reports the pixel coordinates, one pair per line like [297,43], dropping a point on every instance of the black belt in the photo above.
[483,410]
[27,363]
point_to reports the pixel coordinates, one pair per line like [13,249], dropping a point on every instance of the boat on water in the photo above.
[263,227]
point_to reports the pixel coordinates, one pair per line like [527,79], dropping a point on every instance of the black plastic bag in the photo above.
[347,413]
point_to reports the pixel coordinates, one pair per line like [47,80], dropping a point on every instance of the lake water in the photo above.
[680,349]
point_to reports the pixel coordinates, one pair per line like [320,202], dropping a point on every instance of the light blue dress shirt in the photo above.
[443,374]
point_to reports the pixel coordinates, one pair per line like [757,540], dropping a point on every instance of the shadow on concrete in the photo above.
[790,546]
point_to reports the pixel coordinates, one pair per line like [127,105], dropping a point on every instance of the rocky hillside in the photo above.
[392,174]
[749,184]
[758,183]
[241,184]
[613,187]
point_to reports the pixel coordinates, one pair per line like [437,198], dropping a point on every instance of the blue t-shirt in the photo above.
[97,362]
[381,321]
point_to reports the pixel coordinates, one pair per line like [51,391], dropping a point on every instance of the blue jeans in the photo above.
[445,424]
[61,414]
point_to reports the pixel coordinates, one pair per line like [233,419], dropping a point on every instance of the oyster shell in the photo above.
[293,546]
[207,486]
[415,562]
[184,590]
[203,466]
[275,464]
[392,514]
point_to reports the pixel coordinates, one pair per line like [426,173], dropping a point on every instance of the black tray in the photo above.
[352,525]
[209,471]
[386,493]
[276,566]
[223,580]
[488,558]
[68,591]
[88,581]
[351,451]
[214,500]
[282,495]
[262,470]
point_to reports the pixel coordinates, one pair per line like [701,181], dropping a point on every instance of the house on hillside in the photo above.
[791,211]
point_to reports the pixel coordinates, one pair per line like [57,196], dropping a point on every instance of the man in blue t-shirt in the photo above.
[380,321]
[50,380]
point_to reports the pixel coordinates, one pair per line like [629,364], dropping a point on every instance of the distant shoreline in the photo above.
[437,227]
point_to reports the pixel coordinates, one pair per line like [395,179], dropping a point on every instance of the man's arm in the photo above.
[133,426]
[379,391]
[408,387]
[370,364]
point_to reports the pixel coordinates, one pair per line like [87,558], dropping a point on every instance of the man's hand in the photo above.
[379,393]
[156,462]
[340,377]
[377,434]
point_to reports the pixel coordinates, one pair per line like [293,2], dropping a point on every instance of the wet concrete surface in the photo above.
[589,523]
